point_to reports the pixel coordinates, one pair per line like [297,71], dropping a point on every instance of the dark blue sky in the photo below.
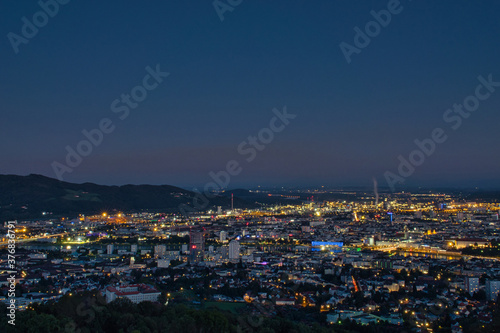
[353,120]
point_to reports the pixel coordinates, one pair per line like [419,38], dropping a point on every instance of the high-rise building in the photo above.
[196,246]
[492,290]
[223,236]
[163,263]
[224,251]
[133,248]
[160,251]
[234,250]
[471,284]
[110,248]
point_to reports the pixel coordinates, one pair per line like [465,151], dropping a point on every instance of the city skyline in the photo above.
[250,166]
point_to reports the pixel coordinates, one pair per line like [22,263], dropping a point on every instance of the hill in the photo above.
[23,197]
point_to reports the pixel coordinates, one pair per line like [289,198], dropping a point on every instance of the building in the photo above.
[223,236]
[133,248]
[110,248]
[465,242]
[37,256]
[163,263]
[234,250]
[328,246]
[224,251]
[471,284]
[492,290]
[196,246]
[136,293]
[384,264]
[285,301]
[160,251]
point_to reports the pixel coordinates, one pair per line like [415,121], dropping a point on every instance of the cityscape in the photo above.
[407,261]
[250,166]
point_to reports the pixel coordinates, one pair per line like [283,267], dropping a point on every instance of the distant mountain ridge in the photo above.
[29,196]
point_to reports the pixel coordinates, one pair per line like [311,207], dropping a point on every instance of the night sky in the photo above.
[352,120]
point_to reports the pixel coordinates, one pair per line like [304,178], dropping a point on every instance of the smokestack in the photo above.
[375,189]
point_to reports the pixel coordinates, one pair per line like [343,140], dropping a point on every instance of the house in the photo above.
[136,293]
[285,301]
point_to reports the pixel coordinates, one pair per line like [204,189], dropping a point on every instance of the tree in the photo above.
[38,323]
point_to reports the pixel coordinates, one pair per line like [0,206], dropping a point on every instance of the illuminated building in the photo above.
[234,250]
[196,246]
[492,290]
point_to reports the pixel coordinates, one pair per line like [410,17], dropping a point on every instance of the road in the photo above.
[24,240]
